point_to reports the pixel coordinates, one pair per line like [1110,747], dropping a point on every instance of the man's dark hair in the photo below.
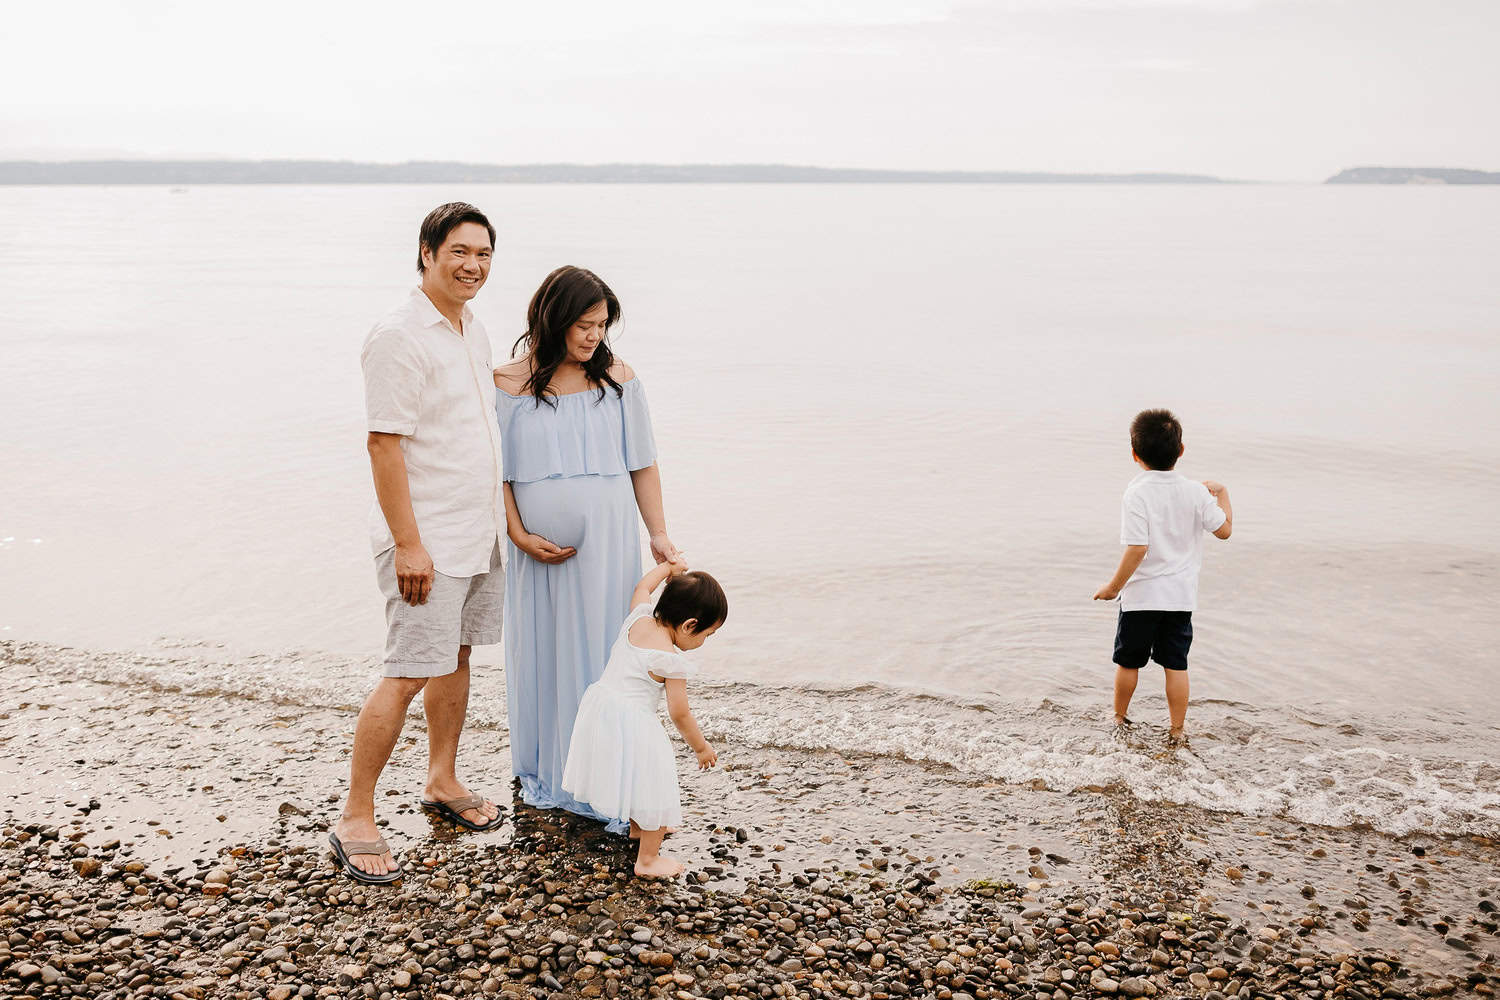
[443,220]
[694,594]
[1156,439]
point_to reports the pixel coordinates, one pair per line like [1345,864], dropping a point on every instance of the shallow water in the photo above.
[891,421]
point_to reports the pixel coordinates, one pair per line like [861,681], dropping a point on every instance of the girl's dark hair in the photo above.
[1156,438]
[694,594]
[567,294]
[443,220]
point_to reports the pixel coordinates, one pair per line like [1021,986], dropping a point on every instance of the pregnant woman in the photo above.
[580,467]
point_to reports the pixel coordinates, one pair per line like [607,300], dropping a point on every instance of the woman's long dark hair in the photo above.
[567,294]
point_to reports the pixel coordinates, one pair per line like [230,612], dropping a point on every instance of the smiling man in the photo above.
[435,529]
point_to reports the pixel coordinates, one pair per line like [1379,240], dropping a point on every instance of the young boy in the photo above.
[1163,518]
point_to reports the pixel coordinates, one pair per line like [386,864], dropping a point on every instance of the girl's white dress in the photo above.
[620,760]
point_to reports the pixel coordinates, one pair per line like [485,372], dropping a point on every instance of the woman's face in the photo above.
[584,335]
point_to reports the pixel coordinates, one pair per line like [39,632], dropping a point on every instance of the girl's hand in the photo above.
[544,551]
[662,550]
[1108,592]
[706,757]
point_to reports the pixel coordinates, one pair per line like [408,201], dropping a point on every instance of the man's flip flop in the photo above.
[342,851]
[453,811]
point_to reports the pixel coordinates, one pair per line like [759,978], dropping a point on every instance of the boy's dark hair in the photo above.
[443,220]
[694,594]
[1156,439]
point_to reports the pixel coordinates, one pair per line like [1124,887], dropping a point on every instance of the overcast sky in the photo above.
[1292,90]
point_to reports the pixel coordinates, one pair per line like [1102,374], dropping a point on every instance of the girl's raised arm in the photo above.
[652,580]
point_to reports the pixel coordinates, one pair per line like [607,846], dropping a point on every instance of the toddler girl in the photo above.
[620,760]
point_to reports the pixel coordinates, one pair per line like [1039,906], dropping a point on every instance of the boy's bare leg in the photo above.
[446,703]
[1125,680]
[375,735]
[649,861]
[1177,699]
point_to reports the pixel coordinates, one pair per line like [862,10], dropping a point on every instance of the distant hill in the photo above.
[1412,175]
[346,172]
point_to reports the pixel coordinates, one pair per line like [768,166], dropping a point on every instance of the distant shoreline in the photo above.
[182,172]
[1413,175]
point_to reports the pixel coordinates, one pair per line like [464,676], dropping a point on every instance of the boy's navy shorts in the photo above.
[1163,636]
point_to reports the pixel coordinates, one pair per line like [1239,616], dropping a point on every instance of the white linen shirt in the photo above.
[1169,513]
[435,386]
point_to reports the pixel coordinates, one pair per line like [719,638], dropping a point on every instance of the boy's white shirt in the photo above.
[1170,514]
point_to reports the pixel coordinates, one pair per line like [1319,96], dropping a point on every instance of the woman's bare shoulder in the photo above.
[620,371]
[511,377]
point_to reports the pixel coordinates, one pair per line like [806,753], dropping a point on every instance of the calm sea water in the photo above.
[892,420]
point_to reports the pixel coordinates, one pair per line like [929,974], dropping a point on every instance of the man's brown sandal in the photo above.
[343,851]
[453,811]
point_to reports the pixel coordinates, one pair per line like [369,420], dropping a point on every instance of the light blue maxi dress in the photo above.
[569,468]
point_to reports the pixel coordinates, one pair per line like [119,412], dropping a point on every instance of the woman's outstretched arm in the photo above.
[647,483]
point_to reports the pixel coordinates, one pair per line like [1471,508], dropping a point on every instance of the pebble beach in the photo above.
[158,842]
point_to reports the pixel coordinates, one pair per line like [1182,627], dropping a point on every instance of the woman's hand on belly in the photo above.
[541,549]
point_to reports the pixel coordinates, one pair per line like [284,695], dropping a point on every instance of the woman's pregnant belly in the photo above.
[564,511]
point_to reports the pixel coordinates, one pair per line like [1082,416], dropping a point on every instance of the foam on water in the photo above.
[1233,765]
[1242,759]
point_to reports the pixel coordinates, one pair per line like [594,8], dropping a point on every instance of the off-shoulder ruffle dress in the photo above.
[620,761]
[569,468]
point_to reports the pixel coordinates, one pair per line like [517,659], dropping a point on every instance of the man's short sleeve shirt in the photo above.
[434,386]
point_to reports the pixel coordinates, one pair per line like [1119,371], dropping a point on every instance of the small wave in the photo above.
[1232,765]
[1323,771]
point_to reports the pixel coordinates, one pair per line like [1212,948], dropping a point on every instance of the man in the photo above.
[436,528]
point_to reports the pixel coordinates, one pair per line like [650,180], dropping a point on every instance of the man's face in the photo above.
[460,266]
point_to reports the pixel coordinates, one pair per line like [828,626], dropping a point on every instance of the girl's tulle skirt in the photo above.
[621,763]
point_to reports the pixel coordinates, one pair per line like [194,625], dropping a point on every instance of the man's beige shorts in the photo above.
[423,641]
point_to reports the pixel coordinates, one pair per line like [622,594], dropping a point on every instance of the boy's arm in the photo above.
[1221,497]
[652,580]
[1130,561]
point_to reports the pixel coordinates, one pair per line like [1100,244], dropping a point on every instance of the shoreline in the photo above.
[179,837]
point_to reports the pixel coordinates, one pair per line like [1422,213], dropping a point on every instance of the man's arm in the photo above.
[1130,561]
[414,572]
[1221,497]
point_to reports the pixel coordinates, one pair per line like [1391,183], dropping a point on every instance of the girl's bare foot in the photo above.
[660,866]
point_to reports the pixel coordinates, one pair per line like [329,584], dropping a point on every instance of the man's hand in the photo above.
[414,573]
[706,757]
[1217,489]
[1108,592]
[662,550]
[544,551]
